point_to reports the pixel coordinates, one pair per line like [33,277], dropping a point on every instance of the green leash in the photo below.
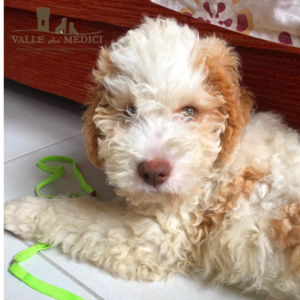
[59,171]
[15,268]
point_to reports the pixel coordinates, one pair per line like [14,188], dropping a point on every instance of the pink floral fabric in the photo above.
[274,20]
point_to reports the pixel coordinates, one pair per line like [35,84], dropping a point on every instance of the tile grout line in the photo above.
[62,140]
[60,269]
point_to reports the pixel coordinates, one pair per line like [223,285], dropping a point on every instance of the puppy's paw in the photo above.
[134,270]
[150,273]
[20,216]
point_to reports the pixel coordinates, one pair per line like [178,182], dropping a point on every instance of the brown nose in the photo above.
[154,172]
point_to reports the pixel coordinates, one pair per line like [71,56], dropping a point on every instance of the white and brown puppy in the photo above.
[211,189]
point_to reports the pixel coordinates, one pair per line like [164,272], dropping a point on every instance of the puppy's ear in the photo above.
[223,77]
[97,96]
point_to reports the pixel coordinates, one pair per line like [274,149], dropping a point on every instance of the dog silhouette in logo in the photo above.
[61,28]
[72,29]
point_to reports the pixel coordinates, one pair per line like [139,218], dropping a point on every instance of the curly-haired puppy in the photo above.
[211,189]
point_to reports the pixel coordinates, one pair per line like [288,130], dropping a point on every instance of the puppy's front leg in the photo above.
[124,243]
[48,220]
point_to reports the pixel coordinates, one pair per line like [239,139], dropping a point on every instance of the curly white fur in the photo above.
[210,217]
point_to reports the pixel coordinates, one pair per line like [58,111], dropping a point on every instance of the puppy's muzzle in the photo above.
[154,172]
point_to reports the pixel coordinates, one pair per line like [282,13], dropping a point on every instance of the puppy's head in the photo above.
[167,106]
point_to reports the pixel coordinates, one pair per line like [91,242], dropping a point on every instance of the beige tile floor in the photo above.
[38,124]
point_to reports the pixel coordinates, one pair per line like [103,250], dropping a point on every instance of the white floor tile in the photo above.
[39,267]
[22,174]
[34,119]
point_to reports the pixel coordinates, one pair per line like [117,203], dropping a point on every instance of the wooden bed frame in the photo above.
[271,70]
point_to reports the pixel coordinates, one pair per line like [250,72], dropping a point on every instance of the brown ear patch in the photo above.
[91,134]
[97,96]
[227,199]
[286,229]
[238,107]
[223,77]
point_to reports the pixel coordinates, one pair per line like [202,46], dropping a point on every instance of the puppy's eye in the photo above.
[131,110]
[188,112]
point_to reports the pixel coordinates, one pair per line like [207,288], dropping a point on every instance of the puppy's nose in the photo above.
[154,172]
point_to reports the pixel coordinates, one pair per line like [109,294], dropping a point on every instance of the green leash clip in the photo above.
[15,268]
